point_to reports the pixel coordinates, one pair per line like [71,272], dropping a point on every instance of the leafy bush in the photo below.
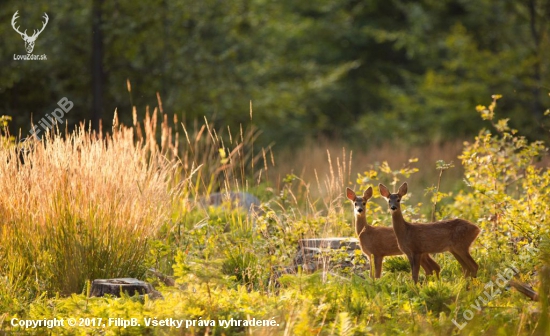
[5,138]
[397,264]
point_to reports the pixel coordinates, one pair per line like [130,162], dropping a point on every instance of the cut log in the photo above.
[524,289]
[129,286]
[331,243]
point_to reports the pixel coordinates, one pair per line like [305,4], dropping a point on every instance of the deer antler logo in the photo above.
[29,40]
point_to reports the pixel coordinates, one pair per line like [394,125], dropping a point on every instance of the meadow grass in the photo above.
[80,207]
[87,206]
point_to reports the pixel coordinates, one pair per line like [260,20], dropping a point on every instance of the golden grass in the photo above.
[82,206]
[329,167]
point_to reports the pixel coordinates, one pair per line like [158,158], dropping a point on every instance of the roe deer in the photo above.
[454,235]
[380,241]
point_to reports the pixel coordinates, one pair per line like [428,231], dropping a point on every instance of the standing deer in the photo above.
[415,240]
[380,241]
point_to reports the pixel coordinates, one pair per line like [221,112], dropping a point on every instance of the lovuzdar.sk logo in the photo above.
[29,40]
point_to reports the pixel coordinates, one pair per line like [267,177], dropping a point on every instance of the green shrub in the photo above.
[397,264]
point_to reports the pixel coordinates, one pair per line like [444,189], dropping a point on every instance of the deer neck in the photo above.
[399,223]
[360,224]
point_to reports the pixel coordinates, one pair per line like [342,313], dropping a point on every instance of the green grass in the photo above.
[66,220]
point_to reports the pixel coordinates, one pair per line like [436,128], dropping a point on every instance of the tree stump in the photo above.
[130,286]
[312,253]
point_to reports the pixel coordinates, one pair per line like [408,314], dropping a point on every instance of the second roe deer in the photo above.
[379,241]
[453,235]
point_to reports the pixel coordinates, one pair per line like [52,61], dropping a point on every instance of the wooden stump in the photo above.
[330,243]
[130,286]
[311,254]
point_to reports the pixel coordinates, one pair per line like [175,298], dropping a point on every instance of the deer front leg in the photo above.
[415,266]
[378,266]
[371,265]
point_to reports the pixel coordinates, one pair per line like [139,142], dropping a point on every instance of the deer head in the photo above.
[359,203]
[29,40]
[393,199]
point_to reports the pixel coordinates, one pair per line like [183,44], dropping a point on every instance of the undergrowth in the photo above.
[86,206]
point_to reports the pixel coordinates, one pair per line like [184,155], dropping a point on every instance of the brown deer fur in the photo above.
[379,241]
[454,235]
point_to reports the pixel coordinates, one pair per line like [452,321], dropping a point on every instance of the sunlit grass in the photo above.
[85,206]
[81,207]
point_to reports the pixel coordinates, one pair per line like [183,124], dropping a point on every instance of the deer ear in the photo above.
[350,194]
[383,190]
[367,194]
[403,189]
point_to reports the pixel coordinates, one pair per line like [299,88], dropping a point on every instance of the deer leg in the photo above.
[371,265]
[378,266]
[433,265]
[426,265]
[474,265]
[415,265]
[470,263]
[465,268]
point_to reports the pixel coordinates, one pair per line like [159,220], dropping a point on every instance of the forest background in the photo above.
[363,72]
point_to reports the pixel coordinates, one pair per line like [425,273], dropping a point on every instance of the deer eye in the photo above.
[398,201]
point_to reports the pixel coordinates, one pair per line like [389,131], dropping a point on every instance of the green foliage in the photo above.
[500,170]
[436,194]
[229,263]
[241,265]
[5,138]
[437,297]
[385,70]
[397,264]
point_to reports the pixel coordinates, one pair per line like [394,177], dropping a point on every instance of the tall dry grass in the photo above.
[82,206]
[323,169]
[337,166]
[225,160]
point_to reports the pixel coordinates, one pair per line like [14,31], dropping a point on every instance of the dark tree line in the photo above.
[376,70]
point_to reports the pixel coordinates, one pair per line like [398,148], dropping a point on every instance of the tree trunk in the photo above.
[97,64]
